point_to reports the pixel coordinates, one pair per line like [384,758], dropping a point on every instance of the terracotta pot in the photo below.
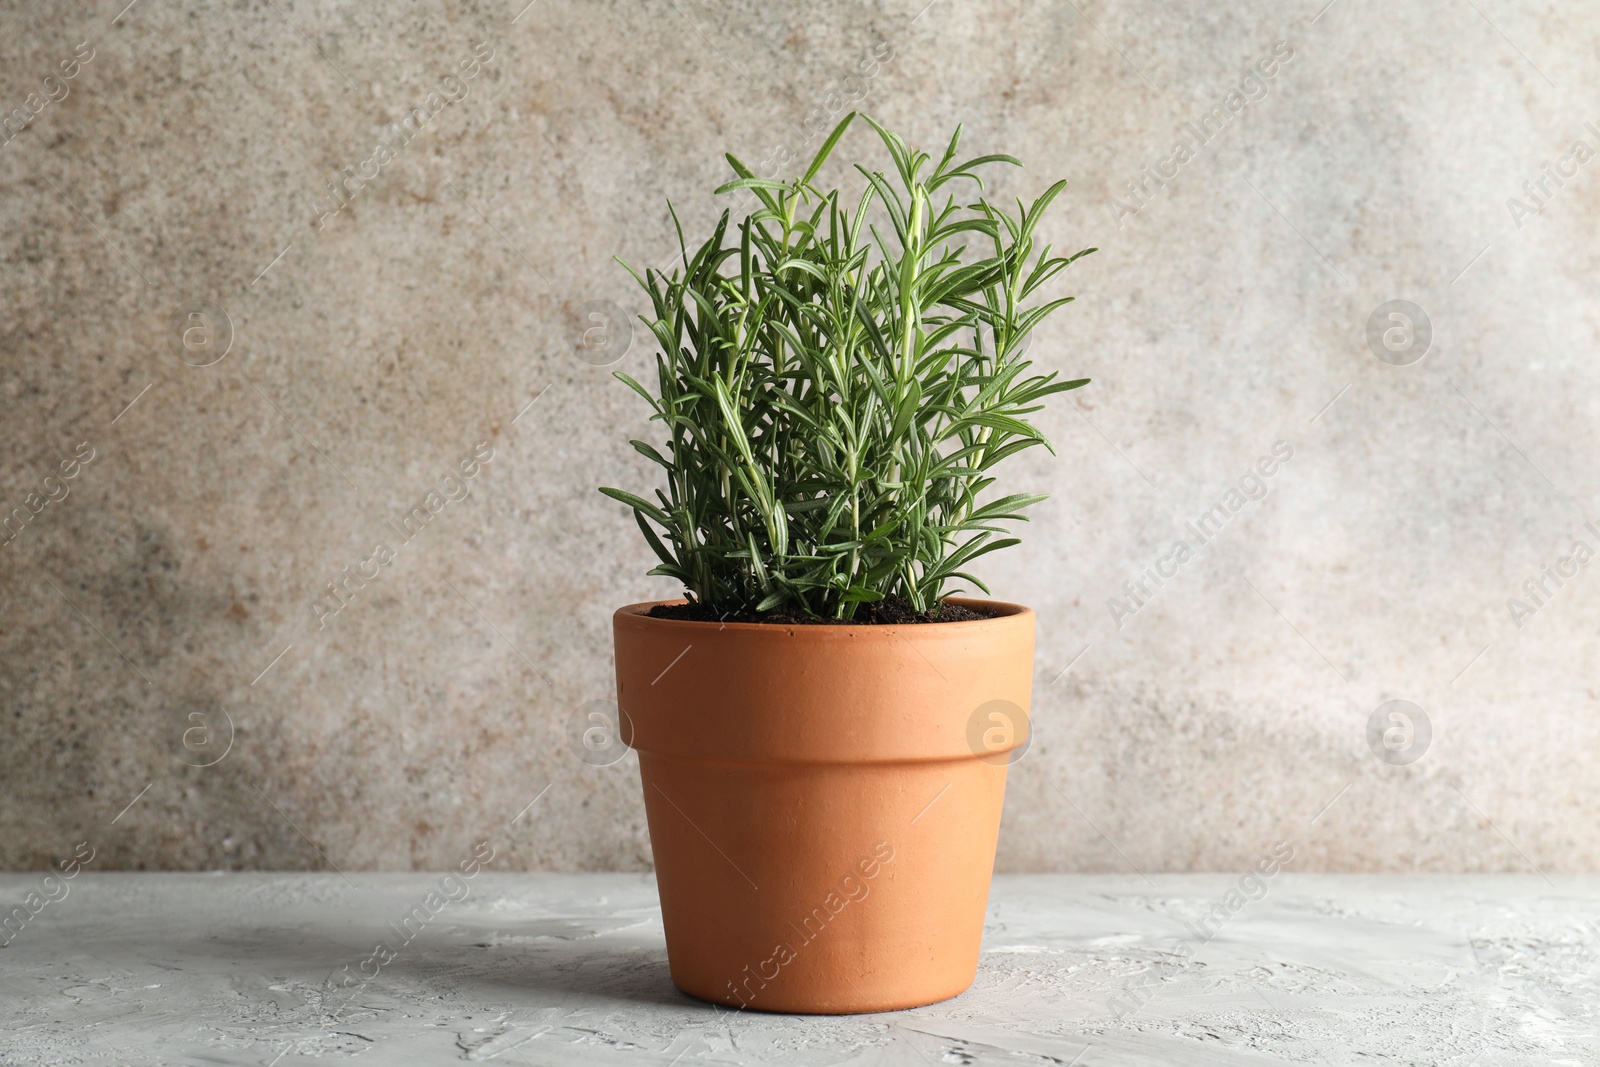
[824,800]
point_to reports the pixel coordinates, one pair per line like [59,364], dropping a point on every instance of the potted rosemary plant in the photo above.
[823,730]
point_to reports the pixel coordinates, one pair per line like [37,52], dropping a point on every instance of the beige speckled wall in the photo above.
[252,382]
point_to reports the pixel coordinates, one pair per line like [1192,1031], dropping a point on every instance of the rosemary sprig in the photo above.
[836,396]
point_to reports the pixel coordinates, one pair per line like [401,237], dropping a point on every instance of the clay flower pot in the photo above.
[823,800]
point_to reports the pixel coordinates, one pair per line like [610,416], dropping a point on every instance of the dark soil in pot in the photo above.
[891,611]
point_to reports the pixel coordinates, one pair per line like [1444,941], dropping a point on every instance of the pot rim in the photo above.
[1004,611]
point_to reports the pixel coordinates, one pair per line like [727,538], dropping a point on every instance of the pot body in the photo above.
[824,801]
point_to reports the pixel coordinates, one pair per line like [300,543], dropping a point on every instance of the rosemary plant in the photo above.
[835,397]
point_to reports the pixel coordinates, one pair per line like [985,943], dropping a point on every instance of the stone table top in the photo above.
[1087,970]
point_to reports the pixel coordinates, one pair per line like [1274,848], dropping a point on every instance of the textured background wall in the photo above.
[1227,310]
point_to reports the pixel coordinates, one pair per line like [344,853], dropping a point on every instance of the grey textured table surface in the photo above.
[557,969]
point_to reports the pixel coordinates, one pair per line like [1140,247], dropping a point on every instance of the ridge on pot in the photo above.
[823,831]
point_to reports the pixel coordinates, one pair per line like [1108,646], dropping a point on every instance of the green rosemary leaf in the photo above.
[835,395]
